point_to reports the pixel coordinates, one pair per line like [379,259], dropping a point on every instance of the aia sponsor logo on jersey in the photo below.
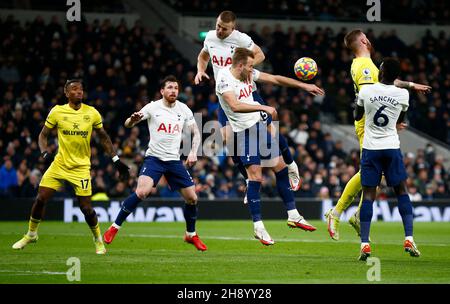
[245,92]
[221,61]
[169,128]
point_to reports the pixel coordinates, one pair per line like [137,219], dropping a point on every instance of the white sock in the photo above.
[292,166]
[336,213]
[364,244]
[409,238]
[293,214]
[115,226]
[258,225]
[31,233]
[191,234]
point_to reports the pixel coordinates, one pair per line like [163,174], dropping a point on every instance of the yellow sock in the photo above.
[33,225]
[96,231]
[351,190]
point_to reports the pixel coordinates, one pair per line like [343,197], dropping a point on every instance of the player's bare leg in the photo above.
[91,219]
[294,176]
[190,215]
[37,213]
[295,219]
[143,190]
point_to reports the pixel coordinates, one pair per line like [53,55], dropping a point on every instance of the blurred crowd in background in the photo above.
[412,11]
[121,66]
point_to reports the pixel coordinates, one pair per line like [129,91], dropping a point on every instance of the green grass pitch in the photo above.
[156,253]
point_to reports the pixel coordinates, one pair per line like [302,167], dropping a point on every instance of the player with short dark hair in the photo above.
[364,72]
[384,106]
[74,122]
[234,89]
[219,47]
[165,118]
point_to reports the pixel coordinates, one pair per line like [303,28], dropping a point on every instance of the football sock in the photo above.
[258,225]
[406,211]
[128,206]
[33,225]
[254,200]
[190,216]
[366,214]
[350,191]
[284,148]
[284,190]
[240,166]
[96,231]
[293,214]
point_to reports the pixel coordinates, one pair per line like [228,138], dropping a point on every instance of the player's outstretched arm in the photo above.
[289,82]
[42,142]
[107,145]
[242,107]
[420,88]
[196,139]
[202,64]
[134,119]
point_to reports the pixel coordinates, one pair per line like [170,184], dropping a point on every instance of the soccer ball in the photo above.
[305,68]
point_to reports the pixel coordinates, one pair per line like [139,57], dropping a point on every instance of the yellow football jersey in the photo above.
[74,134]
[363,71]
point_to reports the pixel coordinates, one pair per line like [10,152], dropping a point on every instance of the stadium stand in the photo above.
[121,65]
[413,11]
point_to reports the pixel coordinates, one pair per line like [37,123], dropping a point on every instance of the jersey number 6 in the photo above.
[380,119]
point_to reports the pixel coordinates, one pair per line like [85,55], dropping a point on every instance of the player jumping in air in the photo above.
[384,106]
[364,72]
[234,89]
[165,118]
[219,46]
[74,122]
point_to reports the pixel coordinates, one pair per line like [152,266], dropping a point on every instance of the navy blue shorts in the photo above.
[255,144]
[176,174]
[376,162]
[264,116]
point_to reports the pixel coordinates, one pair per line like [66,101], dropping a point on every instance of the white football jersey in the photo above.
[382,106]
[165,126]
[221,51]
[226,82]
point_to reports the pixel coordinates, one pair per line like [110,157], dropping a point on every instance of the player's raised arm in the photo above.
[134,119]
[202,64]
[289,82]
[108,146]
[259,54]
[420,88]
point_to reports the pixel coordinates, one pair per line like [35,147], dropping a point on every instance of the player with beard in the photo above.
[364,72]
[219,47]
[234,87]
[165,118]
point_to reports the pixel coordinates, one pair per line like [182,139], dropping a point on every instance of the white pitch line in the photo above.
[228,238]
[29,272]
